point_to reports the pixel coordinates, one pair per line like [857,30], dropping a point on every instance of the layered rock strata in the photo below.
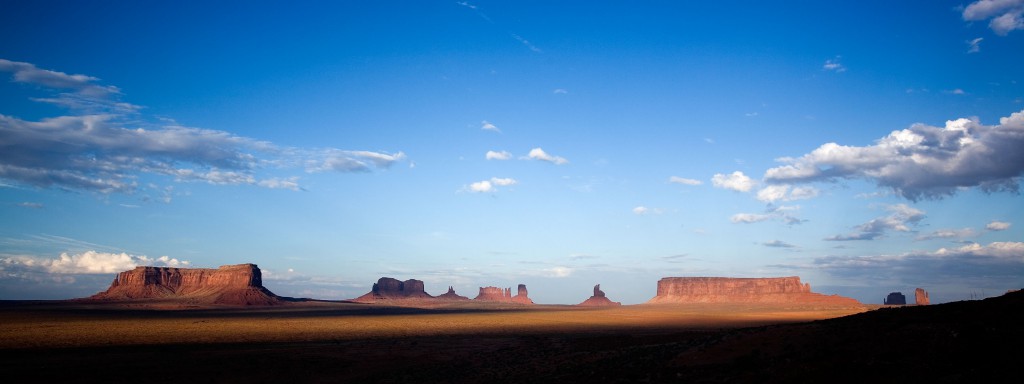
[782,290]
[387,288]
[598,299]
[229,285]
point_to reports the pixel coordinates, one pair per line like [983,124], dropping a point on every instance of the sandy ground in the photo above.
[471,343]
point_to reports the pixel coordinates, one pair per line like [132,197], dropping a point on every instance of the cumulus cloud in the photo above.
[921,161]
[834,65]
[1005,15]
[486,126]
[539,154]
[998,226]
[900,219]
[736,181]
[89,262]
[488,186]
[503,155]
[106,146]
[684,181]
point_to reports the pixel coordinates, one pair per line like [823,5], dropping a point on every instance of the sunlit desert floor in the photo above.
[468,343]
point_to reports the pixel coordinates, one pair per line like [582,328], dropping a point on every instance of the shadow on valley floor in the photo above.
[970,341]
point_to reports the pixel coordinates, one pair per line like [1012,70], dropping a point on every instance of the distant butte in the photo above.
[598,299]
[387,288]
[781,290]
[240,284]
[504,295]
[921,297]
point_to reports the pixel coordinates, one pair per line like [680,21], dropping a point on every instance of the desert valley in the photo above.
[222,325]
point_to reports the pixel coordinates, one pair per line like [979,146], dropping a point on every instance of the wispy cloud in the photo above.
[900,219]
[1006,15]
[974,46]
[526,43]
[642,210]
[922,161]
[105,146]
[89,262]
[834,65]
[560,91]
[948,234]
[784,213]
[778,244]
[539,154]
[487,126]
[32,205]
[684,181]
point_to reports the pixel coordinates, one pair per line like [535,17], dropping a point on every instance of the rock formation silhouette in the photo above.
[921,297]
[741,290]
[240,284]
[895,298]
[387,288]
[598,299]
[451,295]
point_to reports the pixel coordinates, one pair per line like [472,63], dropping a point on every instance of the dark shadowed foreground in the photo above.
[971,341]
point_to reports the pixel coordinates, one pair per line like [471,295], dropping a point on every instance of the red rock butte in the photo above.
[240,284]
[387,288]
[781,290]
[598,299]
[504,295]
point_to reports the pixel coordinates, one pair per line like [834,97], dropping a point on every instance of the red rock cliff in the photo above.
[230,284]
[741,290]
[504,295]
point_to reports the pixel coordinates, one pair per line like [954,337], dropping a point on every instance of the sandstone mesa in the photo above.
[240,284]
[777,290]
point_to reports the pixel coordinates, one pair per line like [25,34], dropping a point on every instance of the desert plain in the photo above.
[325,341]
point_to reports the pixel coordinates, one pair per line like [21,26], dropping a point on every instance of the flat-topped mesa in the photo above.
[504,295]
[240,284]
[679,290]
[387,288]
[598,299]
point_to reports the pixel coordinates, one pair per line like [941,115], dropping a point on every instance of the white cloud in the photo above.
[558,272]
[107,145]
[783,192]
[526,43]
[503,182]
[900,218]
[539,154]
[834,65]
[974,45]
[28,204]
[488,186]
[948,234]
[736,181]
[922,161]
[503,155]
[684,181]
[89,262]
[559,91]
[955,91]
[1006,15]
[486,126]
[998,226]
[641,210]
[749,218]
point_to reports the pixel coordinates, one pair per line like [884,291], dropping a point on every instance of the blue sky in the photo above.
[867,147]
